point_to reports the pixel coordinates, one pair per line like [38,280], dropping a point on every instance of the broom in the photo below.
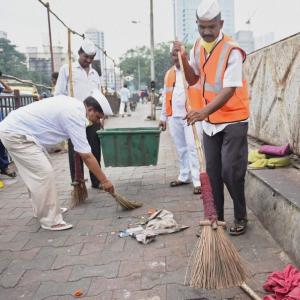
[79,193]
[126,203]
[214,263]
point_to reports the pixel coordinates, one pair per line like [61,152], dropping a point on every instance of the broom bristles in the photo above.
[79,194]
[215,263]
[125,203]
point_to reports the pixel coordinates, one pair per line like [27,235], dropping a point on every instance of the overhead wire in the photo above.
[74,31]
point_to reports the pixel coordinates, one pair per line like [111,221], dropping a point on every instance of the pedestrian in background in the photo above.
[54,77]
[124,95]
[5,166]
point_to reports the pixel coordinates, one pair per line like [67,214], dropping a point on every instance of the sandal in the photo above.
[177,183]
[197,190]
[57,227]
[239,227]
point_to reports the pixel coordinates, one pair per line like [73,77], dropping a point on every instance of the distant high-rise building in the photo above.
[245,39]
[111,79]
[97,37]
[227,12]
[40,61]
[264,40]
[185,18]
[3,35]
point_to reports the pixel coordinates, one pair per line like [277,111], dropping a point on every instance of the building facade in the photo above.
[264,40]
[40,61]
[185,18]
[111,79]
[245,39]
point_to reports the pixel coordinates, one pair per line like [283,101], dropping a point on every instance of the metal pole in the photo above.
[174,18]
[152,42]
[152,93]
[50,37]
[105,71]
[139,73]
[115,78]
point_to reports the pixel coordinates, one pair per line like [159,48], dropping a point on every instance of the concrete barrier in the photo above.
[274,197]
[273,75]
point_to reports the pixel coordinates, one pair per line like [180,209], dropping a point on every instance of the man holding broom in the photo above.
[85,80]
[26,130]
[173,111]
[217,61]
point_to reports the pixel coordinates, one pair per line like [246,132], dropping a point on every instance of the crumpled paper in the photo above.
[161,222]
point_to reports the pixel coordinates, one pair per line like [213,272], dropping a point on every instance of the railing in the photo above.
[9,103]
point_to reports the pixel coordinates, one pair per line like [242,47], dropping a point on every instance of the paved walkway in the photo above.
[38,264]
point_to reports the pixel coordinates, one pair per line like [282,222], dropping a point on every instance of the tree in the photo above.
[141,57]
[13,63]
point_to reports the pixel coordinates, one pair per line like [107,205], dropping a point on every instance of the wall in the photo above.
[273,75]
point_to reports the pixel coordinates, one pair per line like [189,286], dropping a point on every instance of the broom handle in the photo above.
[199,148]
[70,64]
[247,289]
[77,159]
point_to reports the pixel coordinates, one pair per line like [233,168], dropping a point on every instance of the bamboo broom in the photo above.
[214,263]
[79,193]
[126,203]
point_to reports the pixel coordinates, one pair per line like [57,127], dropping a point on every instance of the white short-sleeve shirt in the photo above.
[124,94]
[50,121]
[84,83]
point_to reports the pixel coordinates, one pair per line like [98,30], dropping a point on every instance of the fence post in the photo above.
[17,99]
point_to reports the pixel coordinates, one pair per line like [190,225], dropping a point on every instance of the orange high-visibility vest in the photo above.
[212,72]
[193,91]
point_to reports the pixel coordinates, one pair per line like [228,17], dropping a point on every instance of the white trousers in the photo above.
[38,175]
[183,138]
[122,108]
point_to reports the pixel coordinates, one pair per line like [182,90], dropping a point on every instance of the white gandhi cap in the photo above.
[88,47]
[208,10]
[101,99]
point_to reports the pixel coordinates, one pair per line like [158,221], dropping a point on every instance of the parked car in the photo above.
[25,87]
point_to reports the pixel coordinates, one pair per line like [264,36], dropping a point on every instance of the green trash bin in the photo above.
[124,147]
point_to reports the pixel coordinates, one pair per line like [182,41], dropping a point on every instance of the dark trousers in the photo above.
[3,158]
[226,162]
[96,150]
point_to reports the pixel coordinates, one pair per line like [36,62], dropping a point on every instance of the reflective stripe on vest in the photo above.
[194,92]
[218,78]
[217,87]
[212,72]
[170,79]
[169,89]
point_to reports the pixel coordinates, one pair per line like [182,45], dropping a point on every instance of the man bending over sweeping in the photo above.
[218,62]
[26,130]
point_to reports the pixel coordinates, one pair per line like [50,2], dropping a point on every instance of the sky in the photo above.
[25,21]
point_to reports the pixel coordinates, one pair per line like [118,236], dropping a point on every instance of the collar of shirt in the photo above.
[218,40]
[176,69]
[91,70]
